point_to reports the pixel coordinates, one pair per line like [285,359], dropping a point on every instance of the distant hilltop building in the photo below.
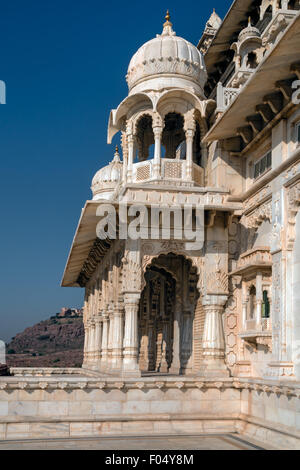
[71,312]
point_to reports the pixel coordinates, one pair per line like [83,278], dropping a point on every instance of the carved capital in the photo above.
[214,300]
[157,131]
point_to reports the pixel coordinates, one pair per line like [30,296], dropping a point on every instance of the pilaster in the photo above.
[213,337]
[104,348]
[282,366]
[118,337]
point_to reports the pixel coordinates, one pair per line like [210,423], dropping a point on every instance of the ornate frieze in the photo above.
[258,198]
[258,215]
[98,251]
[9,384]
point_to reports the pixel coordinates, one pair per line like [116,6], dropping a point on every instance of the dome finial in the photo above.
[117,155]
[249,21]
[168,30]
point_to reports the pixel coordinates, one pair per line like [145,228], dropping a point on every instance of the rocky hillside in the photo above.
[57,342]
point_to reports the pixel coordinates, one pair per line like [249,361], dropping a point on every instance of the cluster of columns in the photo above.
[190,130]
[111,339]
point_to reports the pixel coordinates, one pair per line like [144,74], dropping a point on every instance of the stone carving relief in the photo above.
[276,239]
[258,198]
[279,25]
[276,302]
[131,274]
[216,266]
[165,65]
[293,207]
[153,249]
[261,213]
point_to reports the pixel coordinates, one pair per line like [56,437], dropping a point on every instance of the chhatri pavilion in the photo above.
[179,339]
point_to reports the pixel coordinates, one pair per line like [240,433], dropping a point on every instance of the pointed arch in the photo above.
[131,105]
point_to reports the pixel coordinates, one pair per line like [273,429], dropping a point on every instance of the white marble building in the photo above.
[219,129]
[217,330]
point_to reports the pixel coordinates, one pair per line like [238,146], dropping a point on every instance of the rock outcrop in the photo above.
[57,342]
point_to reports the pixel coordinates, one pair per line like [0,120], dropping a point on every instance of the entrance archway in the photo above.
[166,316]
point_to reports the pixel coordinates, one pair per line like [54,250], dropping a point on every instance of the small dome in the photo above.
[106,179]
[249,32]
[169,56]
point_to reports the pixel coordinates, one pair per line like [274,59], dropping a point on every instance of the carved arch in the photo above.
[265,5]
[196,261]
[195,266]
[128,107]
[135,119]
[178,101]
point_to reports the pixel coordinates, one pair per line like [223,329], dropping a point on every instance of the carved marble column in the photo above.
[125,155]
[244,307]
[164,364]
[98,338]
[259,300]
[86,343]
[151,346]
[130,140]
[189,133]
[104,348]
[91,347]
[213,337]
[187,348]
[130,361]
[110,337]
[157,152]
[118,336]
[175,367]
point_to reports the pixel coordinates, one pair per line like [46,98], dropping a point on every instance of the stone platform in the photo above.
[71,403]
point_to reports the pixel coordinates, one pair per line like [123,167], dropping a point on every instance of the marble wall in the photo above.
[78,406]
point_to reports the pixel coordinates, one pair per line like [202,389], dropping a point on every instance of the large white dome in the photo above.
[168,61]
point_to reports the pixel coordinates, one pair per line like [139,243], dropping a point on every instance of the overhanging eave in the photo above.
[275,67]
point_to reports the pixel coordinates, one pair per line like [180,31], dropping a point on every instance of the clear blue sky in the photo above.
[64,63]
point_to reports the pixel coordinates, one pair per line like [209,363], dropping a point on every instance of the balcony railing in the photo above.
[258,334]
[264,325]
[225,96]
[170,170]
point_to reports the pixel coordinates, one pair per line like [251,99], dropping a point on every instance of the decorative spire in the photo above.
[117,156]
[214,21]
[249,22]
[168,30]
